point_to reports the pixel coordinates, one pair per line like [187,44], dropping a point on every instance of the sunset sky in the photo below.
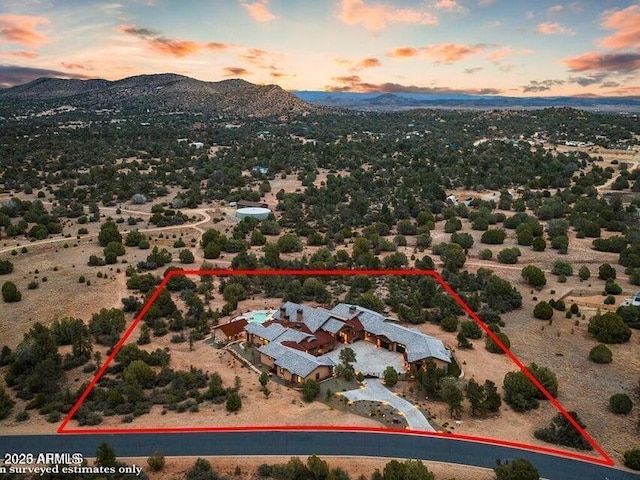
[506,47]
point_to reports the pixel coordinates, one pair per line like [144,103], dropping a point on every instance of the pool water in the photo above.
[260,317]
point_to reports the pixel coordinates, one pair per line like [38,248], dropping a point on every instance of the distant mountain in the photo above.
[160,93]
[403,101]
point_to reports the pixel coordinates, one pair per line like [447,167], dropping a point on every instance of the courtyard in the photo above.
[370,360]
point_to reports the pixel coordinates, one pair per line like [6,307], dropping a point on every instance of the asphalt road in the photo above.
[300,443]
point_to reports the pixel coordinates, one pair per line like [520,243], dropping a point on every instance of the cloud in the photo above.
[235,72]
[451,6]
[404,52]
[22,29]
[75,66]
[473,70]
[555,9]
[592,79]
[259,11]
[626,23]
[611,62]
[541,86]
[353,83]
[451,52]
[169,46]
[493,24]
[553,28]
[22,54]
[626,91]
[375,17]
[501,53]
[11,75]
[368,63]
[484,3]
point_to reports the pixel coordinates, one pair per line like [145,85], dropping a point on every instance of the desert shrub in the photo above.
[609,328]
[600,354]
[620,403]
[543,311]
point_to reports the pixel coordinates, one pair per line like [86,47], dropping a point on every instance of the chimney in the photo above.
[352,309]
[283,313]
[299,315]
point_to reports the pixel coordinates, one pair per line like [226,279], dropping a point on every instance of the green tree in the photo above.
[186,256]
[289,242]
[310,390]
[234,403]
[471,329]
[407,470]
[539,244]
[106,325]
[452,395]
[620,403]
[562,432]
[508,256]
[10,292]
[371,301]
[109,233]
[606,272]
[519,393]
[546,378]
[518,469]
[201,470]
[534,276]
[345,368]
[493,401]
[493,347]
[6,267]
[477,398]
[453,256]
[390,376]
[318,468]
[105,456]
[584,273]
[609,328]
[264,379]
[493,236]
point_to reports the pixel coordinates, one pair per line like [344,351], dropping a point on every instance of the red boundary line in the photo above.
[62,429]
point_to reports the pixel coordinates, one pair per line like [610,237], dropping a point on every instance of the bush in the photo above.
[562,268]
[539,244]
[632,459]
[310,390]
[584,273]
[233,403]
[600,354]
[10,293]
[390,376]
[156,461]
[186,256]
[518,469]
[543,311]
[609,328]
[486,254]
[493,236]
[449,324]
[534,276]
[471,329]
[612,288]
[493,347]
[508,255]
[6,267]
[620,403]
[606,272]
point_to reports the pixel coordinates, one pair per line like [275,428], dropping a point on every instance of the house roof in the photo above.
[294,361]
[232,328]
[418,345]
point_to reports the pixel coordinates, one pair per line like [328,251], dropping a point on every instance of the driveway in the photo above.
[374,390]
[370,360]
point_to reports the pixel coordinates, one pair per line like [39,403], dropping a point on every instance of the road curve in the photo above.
[304,443]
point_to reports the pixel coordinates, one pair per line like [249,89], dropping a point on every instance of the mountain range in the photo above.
[166,93]
[159,93]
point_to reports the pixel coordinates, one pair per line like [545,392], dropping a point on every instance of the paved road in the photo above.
[376,391]
[301,443]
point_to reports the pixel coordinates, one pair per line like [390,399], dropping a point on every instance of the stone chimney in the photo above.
[299,315]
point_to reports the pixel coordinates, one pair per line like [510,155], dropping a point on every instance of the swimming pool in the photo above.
[257,316]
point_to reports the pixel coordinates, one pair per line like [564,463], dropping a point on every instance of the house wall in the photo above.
[266,360]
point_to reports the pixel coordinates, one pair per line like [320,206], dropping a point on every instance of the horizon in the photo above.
[474,47]
[372,92]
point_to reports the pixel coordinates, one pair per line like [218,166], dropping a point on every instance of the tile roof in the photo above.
[232,328]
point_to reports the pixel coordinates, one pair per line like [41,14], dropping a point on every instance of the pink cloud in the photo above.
[259,11]
[23,54]
[375,17]
[504,52]
[450,52]
[612,62]
[169,46]
[235,71]
[75,66]
[553,28]
[449,6]
[403,52]
[22,29]
[626,22]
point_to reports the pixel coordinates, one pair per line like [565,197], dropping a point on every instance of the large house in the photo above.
[299,336]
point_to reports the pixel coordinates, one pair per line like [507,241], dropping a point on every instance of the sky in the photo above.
[490,47]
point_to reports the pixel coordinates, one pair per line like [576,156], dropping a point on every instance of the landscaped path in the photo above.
[374,390]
